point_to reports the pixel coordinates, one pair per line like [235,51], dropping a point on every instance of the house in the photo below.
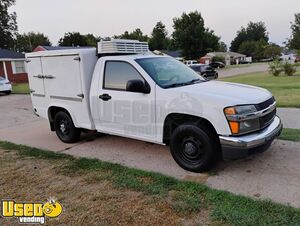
[288,55]
[230,57]
[12,66]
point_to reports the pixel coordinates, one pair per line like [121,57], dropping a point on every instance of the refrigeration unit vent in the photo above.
[122,46]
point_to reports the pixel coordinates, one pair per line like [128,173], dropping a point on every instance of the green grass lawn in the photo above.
[187,198]
[285,89]
[290,134]
[22,88]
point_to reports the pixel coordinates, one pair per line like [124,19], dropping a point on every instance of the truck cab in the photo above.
[133,93]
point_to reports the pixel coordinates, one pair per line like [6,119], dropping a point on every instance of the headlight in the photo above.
[242,119]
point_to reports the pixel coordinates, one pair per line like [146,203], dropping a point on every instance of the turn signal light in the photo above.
[235,127]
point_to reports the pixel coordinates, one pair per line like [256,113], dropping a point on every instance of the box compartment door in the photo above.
[35,76]
[63,77]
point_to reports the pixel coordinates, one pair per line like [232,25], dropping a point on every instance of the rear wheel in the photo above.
[193,148]
[65,129]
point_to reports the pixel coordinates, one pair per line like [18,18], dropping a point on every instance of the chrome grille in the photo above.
[267,119]
[265,104]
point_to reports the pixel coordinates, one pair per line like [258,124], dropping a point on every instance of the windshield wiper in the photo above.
[174,85]
[184,83]
[193,81]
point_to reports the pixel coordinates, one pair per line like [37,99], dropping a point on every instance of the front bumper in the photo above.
[242,146]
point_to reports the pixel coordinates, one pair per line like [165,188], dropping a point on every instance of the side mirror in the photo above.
[138,86]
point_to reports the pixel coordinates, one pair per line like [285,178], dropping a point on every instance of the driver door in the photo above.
[129,114]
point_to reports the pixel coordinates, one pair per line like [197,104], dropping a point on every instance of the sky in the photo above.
[113,17]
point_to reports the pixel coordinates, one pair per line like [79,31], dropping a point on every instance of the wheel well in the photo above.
[174,120]
[52,111]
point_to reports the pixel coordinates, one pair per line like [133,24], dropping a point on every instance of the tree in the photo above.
[91,40]
[137,34]
[218,59]
[8,25]
[222,47]
[27,42]
[210,42]
[275,67]
[77,39]
[253,32]
[72,39]
[255,49]
[159,39]
[192,37]
[289,69]
[272,51]
[294,42]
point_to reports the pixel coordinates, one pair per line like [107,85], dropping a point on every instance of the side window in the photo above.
[19,67]
[117,74]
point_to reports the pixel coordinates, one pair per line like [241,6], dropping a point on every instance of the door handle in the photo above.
[105,97]
[49,76]
[39,76]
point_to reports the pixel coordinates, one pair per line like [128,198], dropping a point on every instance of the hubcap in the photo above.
[192,149]
[64,128]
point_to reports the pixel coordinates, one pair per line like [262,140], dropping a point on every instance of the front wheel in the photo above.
[65,129]
[192,148]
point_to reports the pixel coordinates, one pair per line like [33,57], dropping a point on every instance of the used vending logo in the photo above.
[31,213]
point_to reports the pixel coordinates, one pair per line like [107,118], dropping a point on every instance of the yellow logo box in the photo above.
[31,212]
[12,209]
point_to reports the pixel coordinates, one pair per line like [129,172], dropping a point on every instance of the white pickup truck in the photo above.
[122,89]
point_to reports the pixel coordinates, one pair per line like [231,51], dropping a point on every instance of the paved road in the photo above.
[290,117]
[274,174]
[244,69]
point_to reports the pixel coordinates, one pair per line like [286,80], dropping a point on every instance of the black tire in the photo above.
[217,76]
[7,92]
[65,129]
[193,148]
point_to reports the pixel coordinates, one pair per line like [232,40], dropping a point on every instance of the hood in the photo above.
[228,94]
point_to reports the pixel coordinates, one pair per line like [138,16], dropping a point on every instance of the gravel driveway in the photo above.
[273,175]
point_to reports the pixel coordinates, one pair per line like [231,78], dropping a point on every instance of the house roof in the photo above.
[226,54]
[8,54]
[289,52]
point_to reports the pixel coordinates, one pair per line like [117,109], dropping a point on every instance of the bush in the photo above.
[275,67]
[289,69]
[218,59]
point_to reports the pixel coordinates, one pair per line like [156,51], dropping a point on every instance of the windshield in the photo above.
[168,72]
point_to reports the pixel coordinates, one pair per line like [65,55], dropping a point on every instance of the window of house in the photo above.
[117,74]
[19,67]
